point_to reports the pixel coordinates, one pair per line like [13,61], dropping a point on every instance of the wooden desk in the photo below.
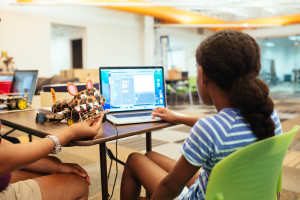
[25,121]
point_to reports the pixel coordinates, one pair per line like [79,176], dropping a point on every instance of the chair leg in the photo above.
[191,97]
[200,100]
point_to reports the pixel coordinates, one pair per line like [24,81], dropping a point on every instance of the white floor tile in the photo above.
[169,136]
[171,150]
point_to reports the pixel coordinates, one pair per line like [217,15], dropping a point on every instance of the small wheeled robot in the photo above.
[85,105]
[14,100]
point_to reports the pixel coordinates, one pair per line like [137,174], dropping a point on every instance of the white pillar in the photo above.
[149,41]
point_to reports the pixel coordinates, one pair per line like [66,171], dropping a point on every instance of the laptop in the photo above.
[132,93]
[24,81]
[5,83]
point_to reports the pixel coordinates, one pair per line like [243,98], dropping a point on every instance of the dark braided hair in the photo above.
[232,59]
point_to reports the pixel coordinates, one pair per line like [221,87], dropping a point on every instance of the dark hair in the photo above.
[232,59]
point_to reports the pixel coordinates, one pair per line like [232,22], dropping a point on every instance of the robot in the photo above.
[15,100]
[85,105]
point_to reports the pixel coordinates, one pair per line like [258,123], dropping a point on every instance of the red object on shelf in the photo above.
[5,86]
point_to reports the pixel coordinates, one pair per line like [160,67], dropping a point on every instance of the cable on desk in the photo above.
[112,192]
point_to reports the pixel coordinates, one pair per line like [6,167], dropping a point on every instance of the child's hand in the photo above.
[86,129]
[165,114]
[72,168]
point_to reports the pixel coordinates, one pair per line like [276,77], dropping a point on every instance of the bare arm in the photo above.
[175,117]
[17,156]
[172,185]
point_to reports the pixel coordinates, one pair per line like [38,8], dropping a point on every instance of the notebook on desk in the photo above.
[132,93]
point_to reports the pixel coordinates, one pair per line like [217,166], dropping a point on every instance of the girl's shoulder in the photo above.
[225,116]
[228,120]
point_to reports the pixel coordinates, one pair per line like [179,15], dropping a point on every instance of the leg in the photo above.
[167,164]
[63,186]
[164,162]
[58,186]
[140,170]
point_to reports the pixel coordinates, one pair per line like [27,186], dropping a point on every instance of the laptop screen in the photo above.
[5,83]
[132,88]
[24,80]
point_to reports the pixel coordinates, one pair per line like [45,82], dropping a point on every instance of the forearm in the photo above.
[186,119]
[18,156]
[48,164]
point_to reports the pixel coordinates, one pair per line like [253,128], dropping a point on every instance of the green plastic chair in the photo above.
[251,173]
[192,88]
[181,87]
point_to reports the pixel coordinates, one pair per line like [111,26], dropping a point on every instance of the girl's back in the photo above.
[214,138]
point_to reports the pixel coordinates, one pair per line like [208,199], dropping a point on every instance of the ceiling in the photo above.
[200,13]
[236,10]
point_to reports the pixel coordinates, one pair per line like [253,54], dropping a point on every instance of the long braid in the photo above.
[232,60]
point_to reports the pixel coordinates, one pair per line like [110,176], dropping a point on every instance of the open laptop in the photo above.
[24,81]
[132,93]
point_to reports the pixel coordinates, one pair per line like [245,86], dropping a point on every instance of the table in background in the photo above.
[25,121]
[174,83]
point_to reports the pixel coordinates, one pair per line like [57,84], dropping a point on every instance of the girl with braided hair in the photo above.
[228,65]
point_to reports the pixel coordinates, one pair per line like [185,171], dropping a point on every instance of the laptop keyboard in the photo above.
[143,114]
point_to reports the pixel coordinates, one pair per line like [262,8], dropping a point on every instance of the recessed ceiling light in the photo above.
[294,37]
[269,44]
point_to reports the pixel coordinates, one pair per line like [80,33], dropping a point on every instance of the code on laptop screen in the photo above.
[132,88]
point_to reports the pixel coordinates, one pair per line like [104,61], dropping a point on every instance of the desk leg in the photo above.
[148,142]
[103,170]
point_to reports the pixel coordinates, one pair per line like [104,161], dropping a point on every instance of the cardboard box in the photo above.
[63,87]
[174,74]
[46,98]
[81,74]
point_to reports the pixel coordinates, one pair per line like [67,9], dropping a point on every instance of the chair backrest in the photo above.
[251,172]
[192,82]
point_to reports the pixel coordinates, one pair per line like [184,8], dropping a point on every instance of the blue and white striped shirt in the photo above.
[212,139]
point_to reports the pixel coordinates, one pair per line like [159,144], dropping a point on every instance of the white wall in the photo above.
[61,37]
[188,39]
[185,40]
[284,54]
[112,37]
[109,37]
[281,31]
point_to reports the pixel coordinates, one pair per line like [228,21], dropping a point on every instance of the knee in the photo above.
[133,159]
[79,183]
[63,186]
[149,154]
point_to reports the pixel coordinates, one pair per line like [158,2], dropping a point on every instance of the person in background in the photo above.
[26,172]
[228,65]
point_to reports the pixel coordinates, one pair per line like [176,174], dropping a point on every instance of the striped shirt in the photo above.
[212,139]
